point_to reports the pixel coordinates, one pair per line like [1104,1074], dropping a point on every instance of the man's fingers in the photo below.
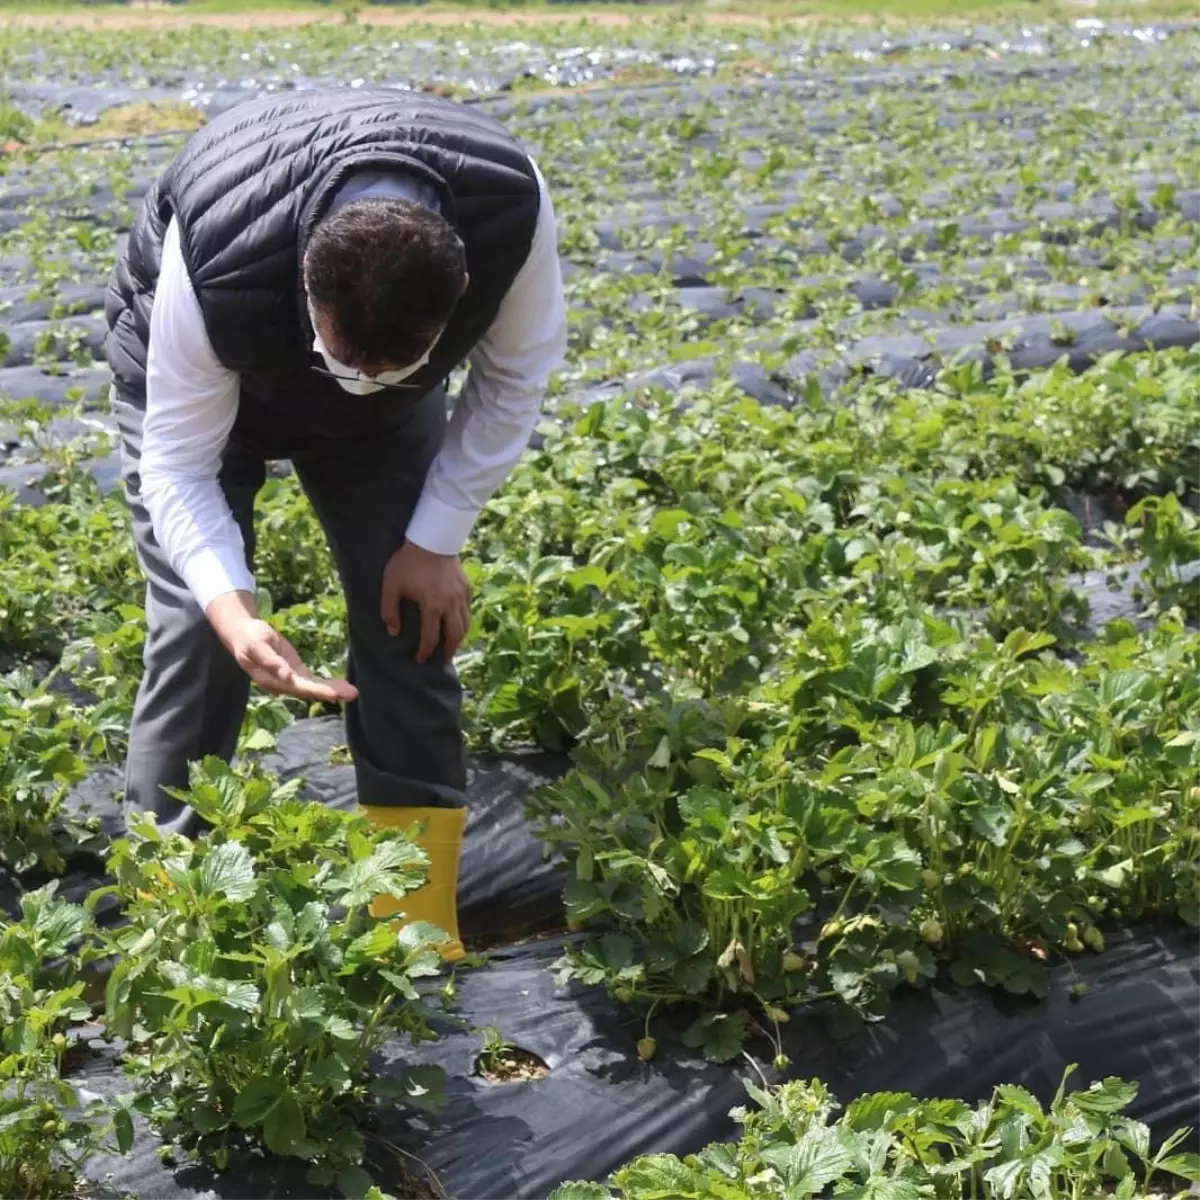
[451,634]
[456,630]
[328,691]
[271,681]
[266,661]
[389,606]
[279,669]
[307,686]
[289,654]
[431,629]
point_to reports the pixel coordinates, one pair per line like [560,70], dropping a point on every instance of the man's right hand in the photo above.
[266,655]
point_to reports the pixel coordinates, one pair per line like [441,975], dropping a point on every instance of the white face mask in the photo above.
[355,382]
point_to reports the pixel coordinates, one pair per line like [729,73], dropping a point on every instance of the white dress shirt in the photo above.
[192,401]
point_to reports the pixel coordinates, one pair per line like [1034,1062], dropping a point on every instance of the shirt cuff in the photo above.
[438,528]
[210,573]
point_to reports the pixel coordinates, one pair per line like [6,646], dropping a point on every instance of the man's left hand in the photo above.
[437,585]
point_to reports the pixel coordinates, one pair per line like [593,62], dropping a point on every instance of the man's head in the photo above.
[383,277]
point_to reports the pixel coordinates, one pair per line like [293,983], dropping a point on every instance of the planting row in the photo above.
[838,716]
[254,1006]
[894,1144]
[212,67]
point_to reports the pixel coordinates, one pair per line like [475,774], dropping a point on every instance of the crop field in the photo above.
[833,690]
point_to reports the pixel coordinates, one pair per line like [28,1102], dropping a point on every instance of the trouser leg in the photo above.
[405,730]
[192,695]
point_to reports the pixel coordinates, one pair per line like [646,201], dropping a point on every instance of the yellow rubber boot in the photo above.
[441,838]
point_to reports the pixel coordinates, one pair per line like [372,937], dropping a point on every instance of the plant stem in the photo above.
[757,1069]
[845,898]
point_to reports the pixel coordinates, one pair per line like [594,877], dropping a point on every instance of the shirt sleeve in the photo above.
[501,399]
[191,405]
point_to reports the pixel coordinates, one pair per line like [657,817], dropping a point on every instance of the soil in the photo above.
[420,1190]
[1030,948]
[78,1050]
[410,1176]
[513,936]
[89,1189]
[135,120]
[126,121]
[512,1065]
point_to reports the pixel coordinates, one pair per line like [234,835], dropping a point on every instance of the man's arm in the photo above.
[501,399]
[191,405]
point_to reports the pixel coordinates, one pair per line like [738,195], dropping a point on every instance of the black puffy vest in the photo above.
[246,192]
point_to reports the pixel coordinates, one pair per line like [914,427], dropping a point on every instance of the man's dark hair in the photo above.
[389,273]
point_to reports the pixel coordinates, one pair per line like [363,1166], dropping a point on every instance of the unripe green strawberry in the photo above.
[930,878]
[782,1062]
[1093,938]
[647,1047]
[932,931]
[58,1041]
[792,961]
[825,875]
[779,1015]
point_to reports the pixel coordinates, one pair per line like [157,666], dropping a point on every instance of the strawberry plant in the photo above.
[1165,535]
[697,834]
[63,565]
[541,655]
[672,835]
[794,1145]
[292,559]
[969,544]
[47,1130]
[253,990]
[38,762]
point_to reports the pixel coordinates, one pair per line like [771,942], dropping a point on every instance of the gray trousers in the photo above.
[404,730]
